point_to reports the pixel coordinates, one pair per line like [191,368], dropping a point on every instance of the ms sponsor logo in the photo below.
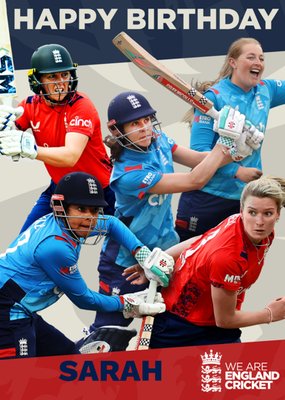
[217,376]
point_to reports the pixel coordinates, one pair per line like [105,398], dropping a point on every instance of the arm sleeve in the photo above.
[59,261]
[224,271]
[118,231]
[138,182]
[203,138]
[277,91]
[23,122]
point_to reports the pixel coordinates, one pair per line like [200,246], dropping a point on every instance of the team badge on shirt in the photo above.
[68,270]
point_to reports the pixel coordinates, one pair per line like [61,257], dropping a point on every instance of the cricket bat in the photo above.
[156,70]
[147,322]
[7,71]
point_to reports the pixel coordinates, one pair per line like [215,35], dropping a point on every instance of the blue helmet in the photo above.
[127,107]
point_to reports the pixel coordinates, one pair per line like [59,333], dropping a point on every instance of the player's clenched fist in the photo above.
[229,125]
[135,305]
[14,142]
[8,115]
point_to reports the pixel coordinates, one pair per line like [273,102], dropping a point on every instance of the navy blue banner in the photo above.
[166,28]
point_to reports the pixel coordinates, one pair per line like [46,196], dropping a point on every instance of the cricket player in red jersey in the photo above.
[207,289]
[65,125]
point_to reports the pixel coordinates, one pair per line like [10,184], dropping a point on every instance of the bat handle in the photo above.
[151,291]
[213,113]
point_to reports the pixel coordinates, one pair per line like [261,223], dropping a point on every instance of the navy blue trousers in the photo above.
[200,211]
[33,337]
[169,330]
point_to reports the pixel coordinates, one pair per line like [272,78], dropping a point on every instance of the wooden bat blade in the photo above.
[156,70]
[147,322]
[7,72]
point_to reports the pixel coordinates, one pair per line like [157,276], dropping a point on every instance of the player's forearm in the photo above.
[122,234]
[189,158]
[242,319]
[96,301]
[204,171]
[58,156]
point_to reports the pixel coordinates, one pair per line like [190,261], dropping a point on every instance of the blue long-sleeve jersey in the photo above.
[255,104]
[41,264]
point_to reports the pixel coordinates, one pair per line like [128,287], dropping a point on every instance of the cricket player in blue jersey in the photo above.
[241,86]
[40,266]
[143,180]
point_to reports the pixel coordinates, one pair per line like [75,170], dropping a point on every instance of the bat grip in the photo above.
[151,291]
[213,113]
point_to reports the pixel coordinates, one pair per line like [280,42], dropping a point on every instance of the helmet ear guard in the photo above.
[35,84]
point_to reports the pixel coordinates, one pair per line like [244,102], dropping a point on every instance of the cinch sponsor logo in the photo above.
[157,199]
[81,122]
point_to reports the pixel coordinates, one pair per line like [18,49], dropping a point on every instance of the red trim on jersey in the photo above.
[174,148]
[182,224]
[64,270]
[60,238]
[262,83]
[142,185]
[214,90]
[104,286]
[133,168]
[5,353]
[66,239]
[141,195]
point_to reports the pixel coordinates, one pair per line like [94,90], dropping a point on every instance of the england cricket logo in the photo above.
[211,372]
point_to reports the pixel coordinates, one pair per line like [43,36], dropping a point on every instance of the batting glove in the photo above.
[254,137]
[229,125]
[157,264]
[135,305]
[14,142]
[8,115]
[240,149]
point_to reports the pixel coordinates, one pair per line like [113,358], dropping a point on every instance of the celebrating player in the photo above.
[239,85]
[65,126]
[40,266]
[207,289]
[143,180]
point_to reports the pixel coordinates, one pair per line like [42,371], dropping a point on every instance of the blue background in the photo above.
[94,44]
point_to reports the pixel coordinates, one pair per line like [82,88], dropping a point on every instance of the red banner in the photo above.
[240,371]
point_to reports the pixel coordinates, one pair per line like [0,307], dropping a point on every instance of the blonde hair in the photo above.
[267,186]
[234,51]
